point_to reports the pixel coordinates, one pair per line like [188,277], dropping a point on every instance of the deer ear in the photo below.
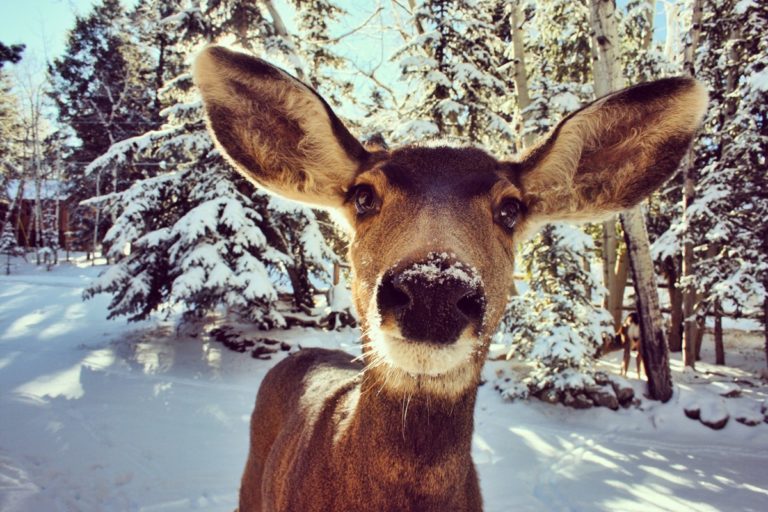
[613,153]
[275,130]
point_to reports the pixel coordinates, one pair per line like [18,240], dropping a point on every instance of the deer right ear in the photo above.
[613,153]
[275,130]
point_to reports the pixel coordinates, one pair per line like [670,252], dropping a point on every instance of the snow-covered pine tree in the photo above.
[9,246]
[98,85]
[732,189]
[449,66]
[554,324]
[199,235]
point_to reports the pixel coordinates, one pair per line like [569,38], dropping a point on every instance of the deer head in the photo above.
[432,228]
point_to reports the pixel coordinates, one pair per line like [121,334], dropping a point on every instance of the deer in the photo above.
[432,234]
[631,340]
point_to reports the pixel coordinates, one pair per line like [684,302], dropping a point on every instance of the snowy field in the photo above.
[103,415]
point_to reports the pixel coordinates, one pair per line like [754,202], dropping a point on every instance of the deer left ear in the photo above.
[613,153]
[275,130]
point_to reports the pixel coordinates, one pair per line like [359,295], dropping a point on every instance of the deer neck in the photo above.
[418,424]
[420,443]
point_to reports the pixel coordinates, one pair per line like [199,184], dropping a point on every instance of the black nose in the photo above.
[432,301]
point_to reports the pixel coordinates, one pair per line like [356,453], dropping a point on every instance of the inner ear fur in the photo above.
[613,153]
[276,130]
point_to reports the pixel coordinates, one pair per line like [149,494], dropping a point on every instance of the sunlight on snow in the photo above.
[24,325]
[161,387]
[645,494]
[590,456]
[535,442]
[483,453]
[7,360]
[754,488]
[65,383]
[212,356]
[610,453]
[72,314]
[666,475]
[654,455]
[155,357]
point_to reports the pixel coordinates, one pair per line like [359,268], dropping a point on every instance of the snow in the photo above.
[100,415]
[759,80]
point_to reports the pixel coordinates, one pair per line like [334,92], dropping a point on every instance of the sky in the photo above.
[40,24]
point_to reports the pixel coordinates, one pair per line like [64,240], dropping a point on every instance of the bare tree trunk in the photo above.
[765,324]
[521,77]
[610,279]
[654,347]
[675,338]
[616,292]
[38,208]
[689,187]
[97,219]
[608,77]
[719,349]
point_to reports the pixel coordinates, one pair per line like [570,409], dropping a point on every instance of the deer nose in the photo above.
[433,301]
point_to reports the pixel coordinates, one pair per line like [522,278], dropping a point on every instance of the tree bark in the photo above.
[521,77]
[654,347]
[719,349]
[765,325]
[689,188]
[608,77]
[675,337]
[616,292]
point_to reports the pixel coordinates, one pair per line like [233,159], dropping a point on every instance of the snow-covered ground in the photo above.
[103,415]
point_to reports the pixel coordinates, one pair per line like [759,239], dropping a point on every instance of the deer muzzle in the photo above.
[432,300]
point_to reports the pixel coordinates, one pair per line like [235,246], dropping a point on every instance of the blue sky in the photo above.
[40,24]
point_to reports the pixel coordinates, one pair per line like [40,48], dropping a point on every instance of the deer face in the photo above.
[432,253]
[433,228]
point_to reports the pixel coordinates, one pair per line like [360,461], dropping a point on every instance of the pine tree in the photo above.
[11,53]
[554,323]
[448,65]
[213,241]
[731,188]
[100,93]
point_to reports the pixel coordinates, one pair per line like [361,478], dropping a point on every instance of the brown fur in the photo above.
[609,154]
[328,434]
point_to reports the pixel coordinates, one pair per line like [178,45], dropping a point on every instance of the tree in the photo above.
[448,64]
[11,53]
[730,164]
[608,77]
[554,323]
[199,235]
[100,94]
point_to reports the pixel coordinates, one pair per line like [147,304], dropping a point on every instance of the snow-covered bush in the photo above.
[554,324]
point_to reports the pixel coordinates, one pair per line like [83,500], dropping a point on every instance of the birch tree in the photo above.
[608,77]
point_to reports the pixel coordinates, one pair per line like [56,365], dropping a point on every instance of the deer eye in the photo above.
[508,213]
[365,199]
